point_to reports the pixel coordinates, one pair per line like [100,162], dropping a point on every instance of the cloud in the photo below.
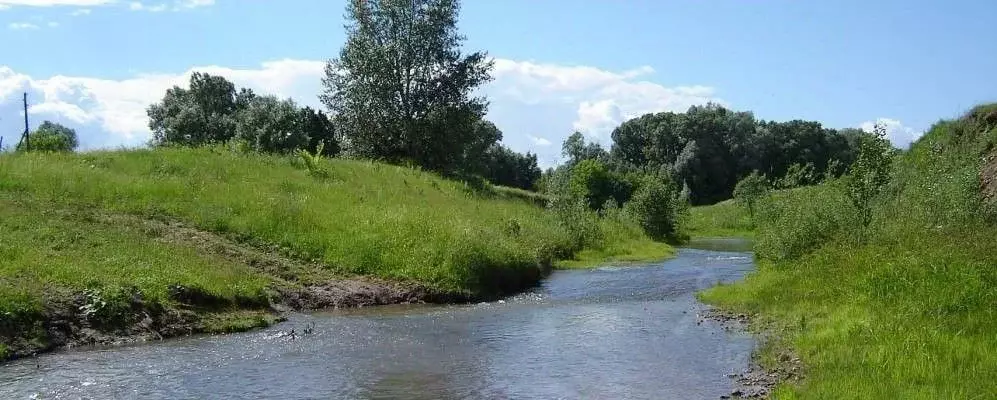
[176,5]
[52,24]
[51,3]
[536,105]
[602,99]
[539,141]
[901,136]
[20,26]
[79,12]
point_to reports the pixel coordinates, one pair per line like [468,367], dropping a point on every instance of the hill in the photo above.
[903,308]
[168,241]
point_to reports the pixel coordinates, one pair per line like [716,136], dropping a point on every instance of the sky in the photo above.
[560,66]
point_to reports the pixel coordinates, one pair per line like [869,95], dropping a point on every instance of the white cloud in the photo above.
[79,12]
[602,99]
[539,141]
[901,136]
[18,26]
[119,106]
[536,105]
[177,5]
[50,3]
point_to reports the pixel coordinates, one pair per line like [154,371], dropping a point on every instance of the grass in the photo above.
[724,219]
[236,321]
[906,309]
[46,248]
[629,253]
[362,218]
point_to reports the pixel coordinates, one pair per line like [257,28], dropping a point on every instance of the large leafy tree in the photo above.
[202,114]
[50,136]
[401,88]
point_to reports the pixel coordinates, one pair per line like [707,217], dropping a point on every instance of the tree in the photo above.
[319,129]
[202,114]
[870,172]
[271,125]
[750,189]
[577,150]
[503,166]
[53,137]
[401,88]
[590,180]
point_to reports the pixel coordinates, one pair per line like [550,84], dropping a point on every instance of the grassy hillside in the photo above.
[74,222]
[904,309]
[724,219]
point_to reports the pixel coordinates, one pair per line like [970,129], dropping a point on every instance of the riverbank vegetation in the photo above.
[883,281]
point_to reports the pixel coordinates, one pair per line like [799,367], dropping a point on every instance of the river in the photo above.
[616,332]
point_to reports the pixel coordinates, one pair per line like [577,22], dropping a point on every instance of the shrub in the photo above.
[870,172]
[654,206]
[749,190]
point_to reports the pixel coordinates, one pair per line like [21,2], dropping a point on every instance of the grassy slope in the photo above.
[724,219]
[909,312]
[365,218]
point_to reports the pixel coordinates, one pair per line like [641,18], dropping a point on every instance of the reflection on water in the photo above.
[624,333]
[734,244]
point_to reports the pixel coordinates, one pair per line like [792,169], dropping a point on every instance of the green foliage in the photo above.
[798,175]
[270,125]
[502,166]
[51,137]
[750,190]
[591,181]
[314,161]
[653,206]
[401,88]
[709,147]
[870,172]
[211,111]
[896,303]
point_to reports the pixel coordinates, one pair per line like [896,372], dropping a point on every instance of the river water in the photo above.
[616,332]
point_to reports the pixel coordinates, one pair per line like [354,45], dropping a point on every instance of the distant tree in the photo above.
[319,129]
[401,87]
[52,137]
[202,114]
[750,189]
[271,125]
[577,150]
[505,167]
[870,172]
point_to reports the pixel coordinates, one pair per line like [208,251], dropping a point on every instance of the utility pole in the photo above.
[27,141]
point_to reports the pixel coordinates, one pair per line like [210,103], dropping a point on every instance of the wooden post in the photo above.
[27,141]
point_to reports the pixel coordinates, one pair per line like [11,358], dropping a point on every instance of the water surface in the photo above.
[616,332]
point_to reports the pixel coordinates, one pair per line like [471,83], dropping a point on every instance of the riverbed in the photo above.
[615,332]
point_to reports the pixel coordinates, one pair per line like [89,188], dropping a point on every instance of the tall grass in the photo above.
[906,309]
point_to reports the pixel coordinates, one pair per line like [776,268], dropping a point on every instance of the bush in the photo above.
[654,207]
[750,190]
[798,221]
[870,172]
[52,137]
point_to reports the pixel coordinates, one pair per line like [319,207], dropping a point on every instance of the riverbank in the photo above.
[901,309]
[148,243]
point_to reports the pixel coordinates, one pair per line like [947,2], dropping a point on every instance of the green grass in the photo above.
[724,219]
[236,321]
[365,218]
[907,309]
[46,248]
[631,252]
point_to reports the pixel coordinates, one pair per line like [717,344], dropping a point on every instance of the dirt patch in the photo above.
[756,381]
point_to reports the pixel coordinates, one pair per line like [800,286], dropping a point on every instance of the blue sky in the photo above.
[560,65]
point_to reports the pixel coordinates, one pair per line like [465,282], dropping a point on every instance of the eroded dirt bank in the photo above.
[70,319]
